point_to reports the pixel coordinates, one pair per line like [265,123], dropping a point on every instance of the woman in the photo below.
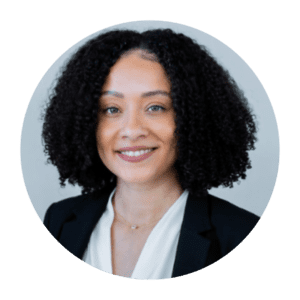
[146,123]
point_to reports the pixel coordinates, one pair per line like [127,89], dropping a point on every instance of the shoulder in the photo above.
[64,206]
[67,204]
[59,211]
[63,211]
[232,223]
[225,211]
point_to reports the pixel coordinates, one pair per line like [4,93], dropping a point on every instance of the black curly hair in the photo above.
[214,125]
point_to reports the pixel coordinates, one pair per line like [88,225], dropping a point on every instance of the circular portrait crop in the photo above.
[150,150]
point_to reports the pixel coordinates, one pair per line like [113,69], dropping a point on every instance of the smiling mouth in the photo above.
[136,153]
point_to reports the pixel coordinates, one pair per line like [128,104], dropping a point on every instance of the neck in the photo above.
[141,203]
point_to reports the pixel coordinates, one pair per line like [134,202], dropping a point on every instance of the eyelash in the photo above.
[160,107]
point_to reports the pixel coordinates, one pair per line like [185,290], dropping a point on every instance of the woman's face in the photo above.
[136,116]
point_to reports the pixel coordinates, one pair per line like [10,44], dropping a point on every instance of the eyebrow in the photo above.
[144,95]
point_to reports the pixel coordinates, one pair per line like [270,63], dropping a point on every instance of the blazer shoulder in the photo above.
[224,209]
[59,212]
[231,222]
[69,203]
[65,206]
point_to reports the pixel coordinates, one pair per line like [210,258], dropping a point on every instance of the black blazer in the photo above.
[211,228]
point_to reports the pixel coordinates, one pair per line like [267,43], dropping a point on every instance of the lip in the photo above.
[135,148]
[134,159]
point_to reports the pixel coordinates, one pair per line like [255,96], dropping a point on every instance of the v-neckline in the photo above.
[142,254]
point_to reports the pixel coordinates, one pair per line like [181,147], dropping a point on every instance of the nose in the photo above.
[134,126]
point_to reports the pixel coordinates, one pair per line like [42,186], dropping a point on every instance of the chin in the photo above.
[135,178]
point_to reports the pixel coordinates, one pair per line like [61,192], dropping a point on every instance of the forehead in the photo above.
[137,71]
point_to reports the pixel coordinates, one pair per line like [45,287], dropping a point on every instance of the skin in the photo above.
[136,110]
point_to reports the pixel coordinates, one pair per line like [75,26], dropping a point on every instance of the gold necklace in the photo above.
[134,226]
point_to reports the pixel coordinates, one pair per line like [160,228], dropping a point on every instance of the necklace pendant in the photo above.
[133,227]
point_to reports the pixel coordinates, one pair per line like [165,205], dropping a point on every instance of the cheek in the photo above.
[102,136]
[166,135]
[168,132]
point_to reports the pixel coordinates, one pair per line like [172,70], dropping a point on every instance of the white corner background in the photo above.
[252,194]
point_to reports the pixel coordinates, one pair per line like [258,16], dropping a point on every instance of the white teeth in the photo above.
[136,153]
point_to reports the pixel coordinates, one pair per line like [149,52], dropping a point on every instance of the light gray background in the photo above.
[252,194]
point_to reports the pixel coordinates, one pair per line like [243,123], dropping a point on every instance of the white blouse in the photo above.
[157,258]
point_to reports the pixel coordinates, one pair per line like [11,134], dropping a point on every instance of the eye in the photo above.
[111,110]
[155,108]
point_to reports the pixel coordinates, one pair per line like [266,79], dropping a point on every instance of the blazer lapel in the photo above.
[193,249]
[78,227]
